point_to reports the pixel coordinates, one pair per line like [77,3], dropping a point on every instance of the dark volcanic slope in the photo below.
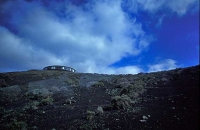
[60,100]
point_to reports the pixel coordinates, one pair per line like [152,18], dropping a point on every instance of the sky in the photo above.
[99,36]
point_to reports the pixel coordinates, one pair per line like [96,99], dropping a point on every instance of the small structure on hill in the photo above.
[58,67]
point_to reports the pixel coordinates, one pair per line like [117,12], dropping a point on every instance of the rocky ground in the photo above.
[60,100]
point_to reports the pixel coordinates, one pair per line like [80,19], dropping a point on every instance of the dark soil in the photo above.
[61,100]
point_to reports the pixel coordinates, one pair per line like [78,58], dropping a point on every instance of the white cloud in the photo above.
[167,64]
[179,7]
[15,52]
[90,38]
[182,6]
[120,70]
[129,70]
[160,20]
[151,5]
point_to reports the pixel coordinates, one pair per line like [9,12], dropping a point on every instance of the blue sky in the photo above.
[99,36]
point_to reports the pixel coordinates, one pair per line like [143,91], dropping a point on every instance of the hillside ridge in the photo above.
[61,100]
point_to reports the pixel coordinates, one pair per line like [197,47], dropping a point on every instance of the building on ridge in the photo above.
[59,67]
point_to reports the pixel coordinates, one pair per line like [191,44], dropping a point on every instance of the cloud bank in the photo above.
[167,64]
[88,36]
[179,7]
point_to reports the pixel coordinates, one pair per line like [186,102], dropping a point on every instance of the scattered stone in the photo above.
[173,108]
[143,121]
[99,110]
[70,101]
[144,117]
